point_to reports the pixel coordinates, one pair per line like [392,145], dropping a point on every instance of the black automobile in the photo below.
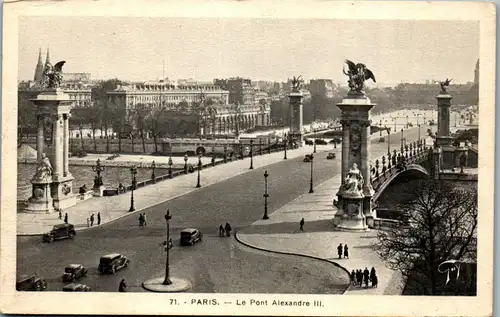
[76,287]
[73,272]
[330,156]
[113,262]
[308,142]
[307,158]
[190,236]
[30,283]
[61,231]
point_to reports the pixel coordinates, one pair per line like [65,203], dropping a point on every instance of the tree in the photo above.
[157,124]
[142,112]
[438,222]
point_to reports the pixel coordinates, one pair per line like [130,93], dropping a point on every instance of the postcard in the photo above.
[313,158]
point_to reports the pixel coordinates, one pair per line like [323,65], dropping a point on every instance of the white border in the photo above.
[151,303]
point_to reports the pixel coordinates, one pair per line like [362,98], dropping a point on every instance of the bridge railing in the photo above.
[392,163]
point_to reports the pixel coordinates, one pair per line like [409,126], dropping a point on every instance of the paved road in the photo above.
[215,265]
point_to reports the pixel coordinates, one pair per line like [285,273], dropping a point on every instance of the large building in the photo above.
[240,90]
[217,117]
[321,87]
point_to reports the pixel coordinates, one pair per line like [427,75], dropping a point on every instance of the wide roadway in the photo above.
[216,264]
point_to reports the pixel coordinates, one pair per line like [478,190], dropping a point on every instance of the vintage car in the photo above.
[30,283]
[110,263]
[73,272]
[381,139]
[308,142]
[330,156]
[76,287]
[307,158]
[58,232]
[190,236]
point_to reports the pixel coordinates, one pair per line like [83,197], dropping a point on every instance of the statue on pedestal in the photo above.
[358,74]
[445,84]
[353,182]
[296,83]
[52,75]
[43,169]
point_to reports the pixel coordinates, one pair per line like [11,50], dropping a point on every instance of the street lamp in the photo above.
[153,176]
[225,153]
[133,171]
[199,169]
[311,190]
[314,145]
[286,145]
[251,154]
[185,163]
[98,168]
[419,134]
[265,196]
[402,138]
[167,280]
[388,139]
[170,166]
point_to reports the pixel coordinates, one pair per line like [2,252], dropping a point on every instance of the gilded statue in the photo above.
[52,75]
[44,168]
[358,74]
[444,85]
[353,182]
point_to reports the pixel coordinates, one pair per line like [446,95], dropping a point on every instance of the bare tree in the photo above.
[142,112]
[438,222]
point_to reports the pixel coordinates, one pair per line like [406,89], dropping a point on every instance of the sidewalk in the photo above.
[115,207]
[280,233]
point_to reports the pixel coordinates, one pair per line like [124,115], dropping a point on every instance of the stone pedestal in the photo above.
[296,118]
[350,215]
[53,112]
[98,191]
[41,198]
[443,137]
[356,123]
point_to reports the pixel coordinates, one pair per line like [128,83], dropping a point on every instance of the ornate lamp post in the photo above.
[198,185]
[388,139]
[170,166]
[402,139]
[265,196]
[260,146]
[225,153]
[251,154]
[98,168]
[153,176]
[185,163]
[133,171]
[311,190]
[419,134]
[167,280]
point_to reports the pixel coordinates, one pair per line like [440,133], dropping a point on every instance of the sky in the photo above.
[131,48]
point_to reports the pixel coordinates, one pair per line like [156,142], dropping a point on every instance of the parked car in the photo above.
[309,142]
[76,287]
[330,156]
[307,158]
[381,139]
[190,236]
[58,232]
[30,283]
[113,262]
[320,142]
[73,272]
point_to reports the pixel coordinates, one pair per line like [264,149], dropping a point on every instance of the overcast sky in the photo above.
[261,49]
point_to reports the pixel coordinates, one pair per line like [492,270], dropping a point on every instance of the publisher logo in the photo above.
[451,268]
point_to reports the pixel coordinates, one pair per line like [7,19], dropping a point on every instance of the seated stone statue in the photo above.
[83,189]
[354,180]
[44,168]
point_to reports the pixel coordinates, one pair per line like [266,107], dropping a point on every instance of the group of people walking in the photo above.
[90,221]
[359,276]
[225,230]
[142,220]
[345,249]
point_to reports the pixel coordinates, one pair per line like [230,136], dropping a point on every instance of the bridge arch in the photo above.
[415,170]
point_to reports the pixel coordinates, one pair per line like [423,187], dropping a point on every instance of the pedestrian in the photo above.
[375,281]
[346,251]
[66,217]
[60,214]
[228,229]
[144,219]
[91,220]
[366,276]
[359,277]
[123,287]
[221,231]
[302,224]
[88,222]
[372,273]
[141,221]
[339,251]
[98,218]
[353,277]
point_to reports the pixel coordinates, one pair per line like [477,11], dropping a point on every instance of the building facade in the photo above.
[240,90]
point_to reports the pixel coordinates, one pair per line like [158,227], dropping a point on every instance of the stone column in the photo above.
[296,119]
[66,145]
[443,138]
[58,146]
[40,142]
